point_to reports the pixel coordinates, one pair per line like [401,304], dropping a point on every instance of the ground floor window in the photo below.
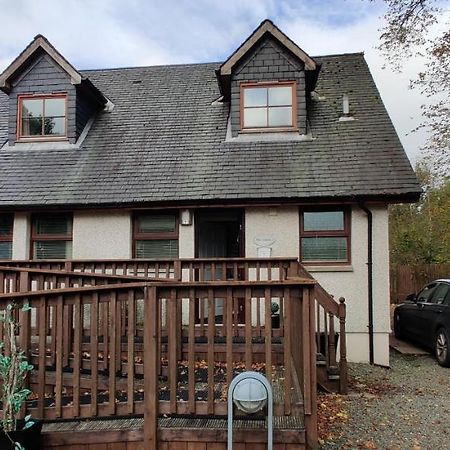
[156,235]
[6,235]
[325,236]
[51,236]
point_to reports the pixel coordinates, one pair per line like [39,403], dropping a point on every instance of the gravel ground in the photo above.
[404,407]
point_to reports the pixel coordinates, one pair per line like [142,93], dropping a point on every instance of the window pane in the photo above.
[54,126]
[156,223]
[31,127]
[6,224]
[55,107]
[323,221]
[280,96]
[5,250]
[280,116]
[324,249]
[32,108]
[52,250]
[53,225]
[255,117]
[255,97]
[440,294]
[425,294]
[161,248]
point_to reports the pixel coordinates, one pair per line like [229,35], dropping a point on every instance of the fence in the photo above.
[408,279]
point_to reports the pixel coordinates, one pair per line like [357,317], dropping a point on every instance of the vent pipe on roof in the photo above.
[345,109]
[345,105]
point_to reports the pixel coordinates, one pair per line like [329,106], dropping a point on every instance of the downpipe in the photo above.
[369,278]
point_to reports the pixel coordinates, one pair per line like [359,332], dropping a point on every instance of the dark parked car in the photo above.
[425,318]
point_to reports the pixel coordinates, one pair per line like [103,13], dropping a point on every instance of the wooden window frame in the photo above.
[265,84]
[8,237]
[48,237]
[156,236]
[42,137]
[346,233]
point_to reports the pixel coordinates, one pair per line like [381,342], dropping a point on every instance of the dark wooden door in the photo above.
[220,234]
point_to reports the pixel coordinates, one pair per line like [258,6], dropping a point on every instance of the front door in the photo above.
[220,234]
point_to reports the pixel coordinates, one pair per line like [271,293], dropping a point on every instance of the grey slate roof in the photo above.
[165,142]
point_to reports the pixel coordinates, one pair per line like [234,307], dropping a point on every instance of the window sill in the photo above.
[42,139]
[329,268]
[269,130]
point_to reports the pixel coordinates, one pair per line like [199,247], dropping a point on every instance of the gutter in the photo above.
[369,278]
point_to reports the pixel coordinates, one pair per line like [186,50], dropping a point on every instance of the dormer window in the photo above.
[42,117]
[268,106]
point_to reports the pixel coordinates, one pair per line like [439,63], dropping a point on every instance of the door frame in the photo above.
[241,212]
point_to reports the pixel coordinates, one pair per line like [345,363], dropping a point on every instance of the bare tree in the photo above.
[419,28]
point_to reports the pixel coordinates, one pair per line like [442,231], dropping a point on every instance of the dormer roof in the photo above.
[38,45]
[266,28]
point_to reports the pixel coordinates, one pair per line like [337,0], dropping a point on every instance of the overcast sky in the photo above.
[120,33]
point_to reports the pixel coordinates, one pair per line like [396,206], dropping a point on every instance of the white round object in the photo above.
[250,395]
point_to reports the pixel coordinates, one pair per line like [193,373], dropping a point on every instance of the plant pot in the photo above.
[30,438]
[276,321]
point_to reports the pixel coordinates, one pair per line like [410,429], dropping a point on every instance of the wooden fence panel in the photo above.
[405,280]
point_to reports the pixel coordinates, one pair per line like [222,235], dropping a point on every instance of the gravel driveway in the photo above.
[404,407]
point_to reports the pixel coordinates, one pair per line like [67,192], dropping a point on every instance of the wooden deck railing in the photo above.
[94,357]
[330,319]
[107,363]
[205,269]
[24,279]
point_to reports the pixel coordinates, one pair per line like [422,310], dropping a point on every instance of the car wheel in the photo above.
[442,348]
[397,329]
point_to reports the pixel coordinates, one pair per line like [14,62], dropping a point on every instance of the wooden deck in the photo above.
[161,356]
[173,433]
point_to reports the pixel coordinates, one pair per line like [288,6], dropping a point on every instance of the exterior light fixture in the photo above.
[186,217]
[250,392]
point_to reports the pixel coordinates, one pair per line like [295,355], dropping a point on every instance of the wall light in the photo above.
[186,217]
[250,392]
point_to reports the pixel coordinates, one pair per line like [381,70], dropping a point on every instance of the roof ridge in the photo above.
[154,65]
[208,63]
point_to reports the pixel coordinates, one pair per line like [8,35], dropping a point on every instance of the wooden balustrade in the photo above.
[205,321]
[24,279]
[206,269]
[94,358]
[328,315]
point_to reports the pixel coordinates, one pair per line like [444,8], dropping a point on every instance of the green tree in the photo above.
[421,28]
[420,232]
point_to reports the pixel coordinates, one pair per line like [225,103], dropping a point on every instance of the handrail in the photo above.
[331,310]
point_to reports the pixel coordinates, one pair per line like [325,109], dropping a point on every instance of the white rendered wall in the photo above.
[102,235]
[281,225]
[352,285]
[21,236]
[186,240]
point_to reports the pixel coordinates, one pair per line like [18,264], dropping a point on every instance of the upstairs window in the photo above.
[51,236]
[325,236]
[42,117]
[6,235]
[268,107]
[156,235]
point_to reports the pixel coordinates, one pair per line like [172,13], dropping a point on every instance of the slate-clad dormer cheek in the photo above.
[268,91]
[49,100]
[267,80]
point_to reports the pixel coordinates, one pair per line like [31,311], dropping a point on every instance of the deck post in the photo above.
[151,319]
[310,372]
[343,370]
[24,282]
